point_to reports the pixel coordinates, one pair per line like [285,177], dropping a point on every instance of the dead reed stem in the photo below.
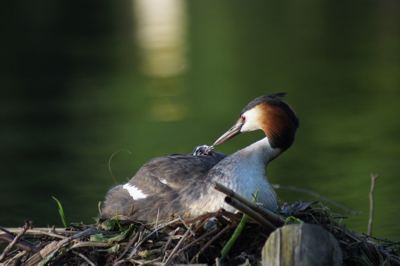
[27,225]
[206,245]
[250,212]
[91,263]
[173,252]
[270,216]
[371,203]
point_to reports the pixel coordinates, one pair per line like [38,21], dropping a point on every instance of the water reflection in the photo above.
[166,96]
[161,36]
[161,40]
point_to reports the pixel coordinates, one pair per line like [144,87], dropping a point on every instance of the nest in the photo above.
[201,240]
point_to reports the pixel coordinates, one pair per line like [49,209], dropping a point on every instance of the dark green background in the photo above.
[74,91]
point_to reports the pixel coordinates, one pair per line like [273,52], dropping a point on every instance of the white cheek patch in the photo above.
[251,122]
[134,192]
[162,180]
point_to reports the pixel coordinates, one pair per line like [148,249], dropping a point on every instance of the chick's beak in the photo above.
[233,131]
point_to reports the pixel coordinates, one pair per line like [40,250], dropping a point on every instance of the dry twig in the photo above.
[173,252]
[21,244]
[272,217]
[371,203]
[132,241]
[39,232]
[14,260]
[54,246]
[26,226]
[249,212]
[197,240]
[133,252]
[84,258]
[212,240]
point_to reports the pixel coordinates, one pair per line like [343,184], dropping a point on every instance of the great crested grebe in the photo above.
[183,184]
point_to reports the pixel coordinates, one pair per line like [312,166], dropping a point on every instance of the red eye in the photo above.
[243,118]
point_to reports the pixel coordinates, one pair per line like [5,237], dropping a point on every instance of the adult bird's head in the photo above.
[270,114]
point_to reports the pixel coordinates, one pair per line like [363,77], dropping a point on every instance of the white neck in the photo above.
[261,150]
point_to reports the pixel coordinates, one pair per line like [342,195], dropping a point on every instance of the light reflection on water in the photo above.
[68,105]
[161,40]
[161,36]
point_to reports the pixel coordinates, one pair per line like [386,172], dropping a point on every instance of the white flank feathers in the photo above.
[134,192]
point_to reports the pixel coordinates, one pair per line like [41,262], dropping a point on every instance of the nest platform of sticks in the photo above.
[220,238]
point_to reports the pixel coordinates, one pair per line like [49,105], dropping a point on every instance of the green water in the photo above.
[80,83]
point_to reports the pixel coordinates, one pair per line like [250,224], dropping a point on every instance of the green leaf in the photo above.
[110,224]
[293,220]
[238,230]
[232,240]
[60,211]
[111,239]
[98,238]
[112,250]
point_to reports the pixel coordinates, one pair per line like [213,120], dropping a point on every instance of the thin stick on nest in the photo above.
[272,217]
[371,203]
[39,232]
[21,244]
[84,258]
[90,244]
[173,252]
[197,240]
[132,241]
[55,246]
[206,245]
[27,225]
[250,213]
[217,261]
[134,250]
[15,259]
[187,226]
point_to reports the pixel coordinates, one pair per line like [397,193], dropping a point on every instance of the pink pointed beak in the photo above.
[233,131]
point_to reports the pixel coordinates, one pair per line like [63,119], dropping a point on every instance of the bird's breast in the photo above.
[245,176]
[248,178]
